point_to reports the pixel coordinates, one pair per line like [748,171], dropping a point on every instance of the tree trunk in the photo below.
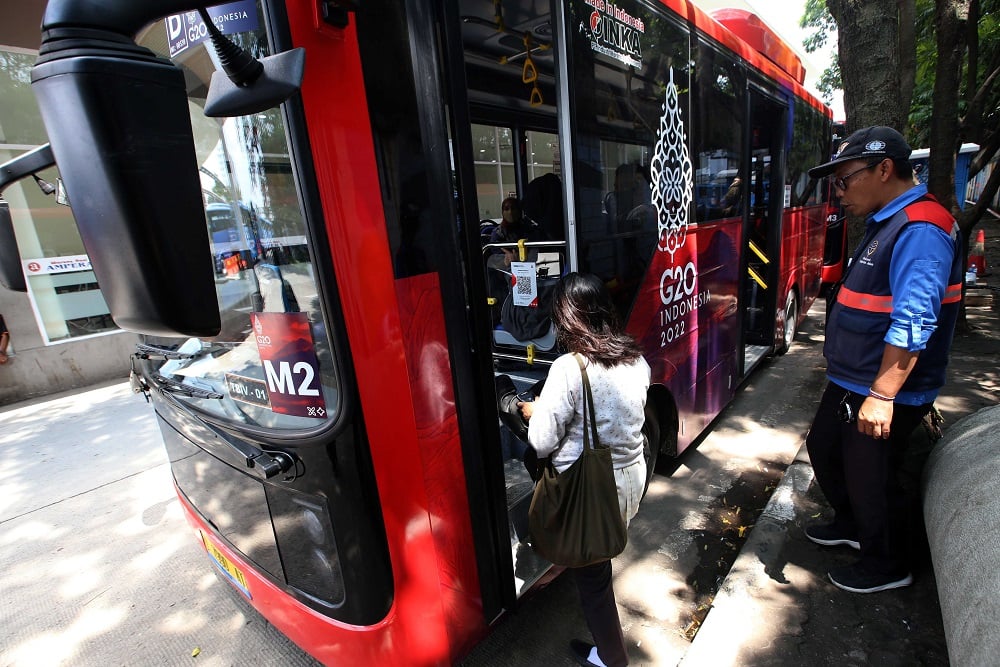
[950,19]
[907,54]
[868,49]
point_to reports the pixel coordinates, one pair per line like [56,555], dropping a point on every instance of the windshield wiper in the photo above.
[175,387]
[146,351]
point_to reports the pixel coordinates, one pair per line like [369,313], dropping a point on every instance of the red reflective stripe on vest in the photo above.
[932,212]
[869,302]
[953,294]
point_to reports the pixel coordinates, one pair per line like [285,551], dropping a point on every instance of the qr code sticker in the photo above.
[525,284]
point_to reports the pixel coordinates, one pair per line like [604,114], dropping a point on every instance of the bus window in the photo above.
[720,109]
[262,266]
[621,90]
[808,147]
[494,161]
[543,153]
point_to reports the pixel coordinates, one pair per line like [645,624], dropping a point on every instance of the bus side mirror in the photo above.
[117,118]
[11,274]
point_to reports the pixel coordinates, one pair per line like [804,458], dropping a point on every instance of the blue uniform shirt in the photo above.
[918,275]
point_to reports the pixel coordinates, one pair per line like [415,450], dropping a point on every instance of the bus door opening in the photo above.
[523,258]
[763,228]
[509,67]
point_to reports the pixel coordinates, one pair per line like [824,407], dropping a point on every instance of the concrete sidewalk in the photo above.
[97,563]
[776,606]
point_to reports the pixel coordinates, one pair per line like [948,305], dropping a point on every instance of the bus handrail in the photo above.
[527,244]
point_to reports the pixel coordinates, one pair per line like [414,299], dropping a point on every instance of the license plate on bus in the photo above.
[226,566]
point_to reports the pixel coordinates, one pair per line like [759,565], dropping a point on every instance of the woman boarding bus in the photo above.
[330,416]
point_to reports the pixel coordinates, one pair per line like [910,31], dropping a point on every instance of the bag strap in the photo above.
[589,438]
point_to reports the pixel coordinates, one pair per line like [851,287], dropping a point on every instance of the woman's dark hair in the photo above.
[587,322]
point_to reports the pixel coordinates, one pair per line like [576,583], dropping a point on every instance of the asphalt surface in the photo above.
[98,566]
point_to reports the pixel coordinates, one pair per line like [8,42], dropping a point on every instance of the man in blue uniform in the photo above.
[888,334]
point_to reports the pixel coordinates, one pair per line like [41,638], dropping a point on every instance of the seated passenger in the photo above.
[512,228]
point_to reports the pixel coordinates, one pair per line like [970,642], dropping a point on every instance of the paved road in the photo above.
[98,566]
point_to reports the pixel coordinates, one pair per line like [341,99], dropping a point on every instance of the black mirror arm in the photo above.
[11,275]
[241,67]
[25,165]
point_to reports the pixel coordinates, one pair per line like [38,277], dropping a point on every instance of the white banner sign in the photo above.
[49,265]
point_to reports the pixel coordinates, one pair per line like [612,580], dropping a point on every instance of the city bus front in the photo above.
[213,232]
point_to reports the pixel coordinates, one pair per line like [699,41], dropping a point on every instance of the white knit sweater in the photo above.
[556,425]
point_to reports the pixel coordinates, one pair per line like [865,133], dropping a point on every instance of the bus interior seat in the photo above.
[521,326]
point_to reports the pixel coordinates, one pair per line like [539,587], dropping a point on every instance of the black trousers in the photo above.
[601,612]
[859,475]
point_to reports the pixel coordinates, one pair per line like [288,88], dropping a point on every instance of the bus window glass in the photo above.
[720,107]
[543,154]
[808,148]
[272,364]
[494,158]
[630,76]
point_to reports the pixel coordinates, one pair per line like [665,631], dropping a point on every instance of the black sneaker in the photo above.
[858,579]
[831,536]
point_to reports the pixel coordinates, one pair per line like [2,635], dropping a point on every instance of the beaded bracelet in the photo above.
[881,397]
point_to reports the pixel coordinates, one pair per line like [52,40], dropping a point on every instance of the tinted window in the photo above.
[631,78]
[809,146]
[720,107]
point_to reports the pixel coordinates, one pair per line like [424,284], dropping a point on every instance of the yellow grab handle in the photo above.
[536,97]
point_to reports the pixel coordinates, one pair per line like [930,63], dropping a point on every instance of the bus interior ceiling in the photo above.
[508,55]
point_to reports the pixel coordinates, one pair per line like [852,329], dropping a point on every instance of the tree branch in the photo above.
[986,153]
[974,114]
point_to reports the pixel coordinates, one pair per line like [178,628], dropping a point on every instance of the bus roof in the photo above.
[922,153]
[752,30]
[750,38]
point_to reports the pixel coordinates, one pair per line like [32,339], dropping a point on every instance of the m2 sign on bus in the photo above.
[291,370]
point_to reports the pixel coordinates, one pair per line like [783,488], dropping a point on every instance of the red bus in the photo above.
[329,409]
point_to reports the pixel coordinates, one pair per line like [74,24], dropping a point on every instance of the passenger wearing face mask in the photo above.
[514,227]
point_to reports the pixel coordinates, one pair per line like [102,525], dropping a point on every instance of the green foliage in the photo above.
[818,18]
[923,94]
[824,28]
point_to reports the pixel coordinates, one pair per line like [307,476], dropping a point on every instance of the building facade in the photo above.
[62,336]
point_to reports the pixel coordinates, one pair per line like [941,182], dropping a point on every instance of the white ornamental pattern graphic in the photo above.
[672,173]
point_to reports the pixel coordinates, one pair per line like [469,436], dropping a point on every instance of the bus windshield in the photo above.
[265,279]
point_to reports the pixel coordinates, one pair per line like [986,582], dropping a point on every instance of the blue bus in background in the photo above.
[238,236]
[920,159]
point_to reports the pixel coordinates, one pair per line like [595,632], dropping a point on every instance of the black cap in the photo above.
[871,142]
